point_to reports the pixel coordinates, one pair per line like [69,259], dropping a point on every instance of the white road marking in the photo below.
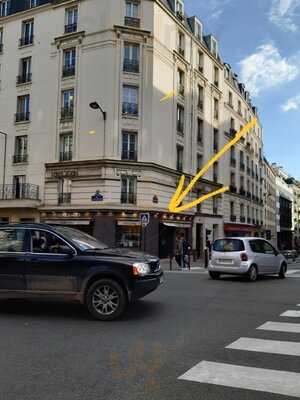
[280,327]
[266,346]
[291,313]
[292,271]
[263,380]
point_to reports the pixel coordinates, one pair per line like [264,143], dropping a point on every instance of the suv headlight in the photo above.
[141,269]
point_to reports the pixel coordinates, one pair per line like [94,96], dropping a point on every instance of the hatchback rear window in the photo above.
[228,245]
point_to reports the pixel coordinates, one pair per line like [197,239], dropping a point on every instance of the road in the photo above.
[54,351]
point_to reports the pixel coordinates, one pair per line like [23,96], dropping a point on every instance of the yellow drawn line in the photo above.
[168,96]
[180,195]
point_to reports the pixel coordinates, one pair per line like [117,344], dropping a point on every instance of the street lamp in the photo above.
[94,105]
[4,161]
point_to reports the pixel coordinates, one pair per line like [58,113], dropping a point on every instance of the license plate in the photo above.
[225,261]
[161,280]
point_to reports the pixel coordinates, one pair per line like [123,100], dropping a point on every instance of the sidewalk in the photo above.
[195,266]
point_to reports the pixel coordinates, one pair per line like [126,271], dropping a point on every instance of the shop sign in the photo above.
[145,219]
[97,196]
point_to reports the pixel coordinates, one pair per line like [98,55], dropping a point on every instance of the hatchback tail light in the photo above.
[244,257]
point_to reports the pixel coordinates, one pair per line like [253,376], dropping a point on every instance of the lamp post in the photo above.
[4,161]
[96,106]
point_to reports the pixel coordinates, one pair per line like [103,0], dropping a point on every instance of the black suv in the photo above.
[54,261]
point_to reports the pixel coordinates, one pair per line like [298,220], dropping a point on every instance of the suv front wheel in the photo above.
[106,300]
[282,271]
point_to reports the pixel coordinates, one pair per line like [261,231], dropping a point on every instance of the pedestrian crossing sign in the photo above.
[145,219]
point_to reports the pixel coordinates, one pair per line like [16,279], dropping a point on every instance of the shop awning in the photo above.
[67,222]
[178,224]
[128,223]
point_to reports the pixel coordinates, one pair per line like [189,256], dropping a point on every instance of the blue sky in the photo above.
[260,40]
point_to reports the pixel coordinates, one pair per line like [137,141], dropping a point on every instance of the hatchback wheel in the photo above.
[252,274]
[214,275]
[282,271]
[106,300]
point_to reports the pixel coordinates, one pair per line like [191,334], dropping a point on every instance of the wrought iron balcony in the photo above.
[65,156]
[68,70]
[64,198]
[128,198]
[131,65]
[24,78]
[131,21]
[181,51]
[130,109]
[129,155]
[20,158]
[67,114]
[22,191]
[26,40]
[22,117]
[70,28]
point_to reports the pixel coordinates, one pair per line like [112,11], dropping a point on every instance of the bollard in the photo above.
[206,258]
[171,260]
[189,258]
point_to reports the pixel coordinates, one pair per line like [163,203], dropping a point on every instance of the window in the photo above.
[232,208]
[131,58]
[181,43]
[232,179]
[242,210]
[230,99]
[179,8]
[27,33]
[216,108]
[19,187]
[33,3]
[200,98]
[12,240]
[128,189]
[214,47]
[180,119]
[216,76]
[232,155]
[71,20]
[242,162]
[132,13]
[240,107]
[215,172]
[66,146]
[228,245]
[201,61]
[215,205]
[256,246]
[5,8]
[200,126]
[24,71]
[47,243]
[21,143]
[232,127]
[242,184]
[69,62]
[198,30]
[181,82]
[67,109]
[129,146]
[179,160]
[199,162]
[1,40]
[216,141]
[130,100]
[23,108]
[64,191]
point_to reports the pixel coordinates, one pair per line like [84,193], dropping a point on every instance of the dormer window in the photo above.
[198,30]
[214,47]
[180,9]
[5,8]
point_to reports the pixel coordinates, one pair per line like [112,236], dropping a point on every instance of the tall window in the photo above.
[132,13]
[27,33]
[216,76]
[5,8]
[66,147]
[19,186]
[216,108]
[181,82]
[67,109]
[130,100]
[129,146]
[200,98]
[20,155]
[242,183]
[181,43]
[199,162]
[23,108]
[242,211]
[201,61]
[215,172]
[232,179]
[180,119]
[128,189]
[232,208]
[69,62]
[131,57]
[64,191]
[71,20]
[240,107]
[200,128]
[242,161]
[230,99]
[179,160]
[216,141]
[232,127]
[24,71]
[1,40]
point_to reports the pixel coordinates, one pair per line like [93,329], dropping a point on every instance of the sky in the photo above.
[260,39]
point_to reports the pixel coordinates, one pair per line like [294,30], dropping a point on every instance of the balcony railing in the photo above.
[129,155]
[64,198]
[233,218]
[24,78]
[20,158]
[70,28]
[130,109]
[131,21]
[232,132]
[23,191]
[67,114]
[131,65]
[22,117]
[26,40]
[68,70]
[65,156]
[181,51]
[128,198]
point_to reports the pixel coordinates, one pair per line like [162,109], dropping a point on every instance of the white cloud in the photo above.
[282,14]
[292,104]
[216,7]
[266,68]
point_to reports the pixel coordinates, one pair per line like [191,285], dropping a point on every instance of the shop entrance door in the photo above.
[199,240]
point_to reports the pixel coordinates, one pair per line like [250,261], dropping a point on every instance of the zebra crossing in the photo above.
[285,383]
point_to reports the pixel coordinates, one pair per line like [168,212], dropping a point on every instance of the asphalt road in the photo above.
[54,351]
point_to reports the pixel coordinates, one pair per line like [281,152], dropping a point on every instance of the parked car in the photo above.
[290,254]
[246,256]
[38,260]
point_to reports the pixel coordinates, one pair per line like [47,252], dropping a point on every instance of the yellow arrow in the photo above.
[168,96]
[180,195]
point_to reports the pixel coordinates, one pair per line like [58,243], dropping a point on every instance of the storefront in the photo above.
[237,230]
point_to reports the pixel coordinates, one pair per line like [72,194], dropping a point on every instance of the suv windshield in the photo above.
[80,239]
[228,245]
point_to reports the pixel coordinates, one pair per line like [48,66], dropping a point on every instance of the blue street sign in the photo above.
[97,196]
[145,219]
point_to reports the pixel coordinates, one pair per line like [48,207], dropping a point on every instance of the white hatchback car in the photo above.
[246,256]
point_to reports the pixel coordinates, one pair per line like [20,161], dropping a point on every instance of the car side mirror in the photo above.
[276,253]
[69,252]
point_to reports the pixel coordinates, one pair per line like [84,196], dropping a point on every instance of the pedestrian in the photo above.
[185,253]
[178,250]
